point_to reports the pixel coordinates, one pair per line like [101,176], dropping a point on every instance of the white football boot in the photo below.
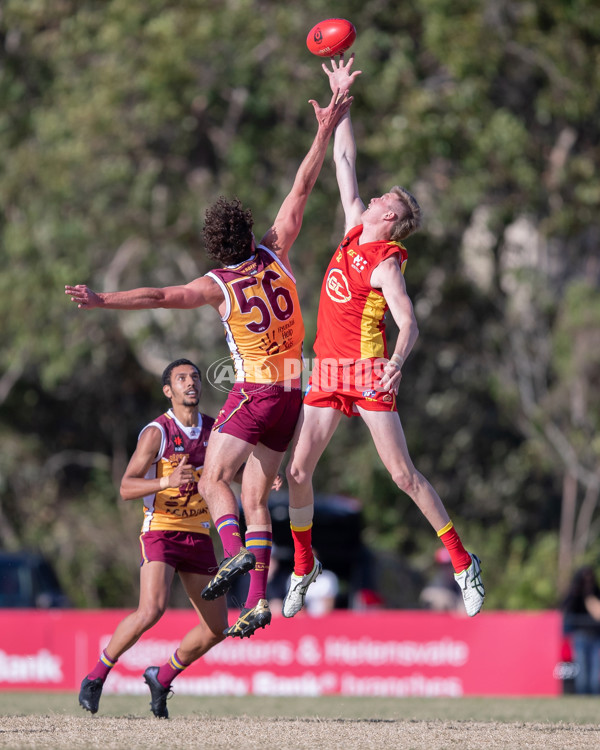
[471,586]
[294,599]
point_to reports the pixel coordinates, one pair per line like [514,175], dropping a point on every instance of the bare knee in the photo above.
[204,485]
[297,475]
[407,481]
[149,615]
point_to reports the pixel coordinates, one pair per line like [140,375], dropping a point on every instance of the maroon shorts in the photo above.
[261,413]
[187,551]
[347,387]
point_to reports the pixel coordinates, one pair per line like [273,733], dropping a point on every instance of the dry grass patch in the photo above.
[62,732]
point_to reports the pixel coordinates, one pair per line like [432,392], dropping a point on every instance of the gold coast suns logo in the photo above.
[337,286]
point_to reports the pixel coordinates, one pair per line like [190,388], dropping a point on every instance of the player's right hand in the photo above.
[328,117]
[83,296]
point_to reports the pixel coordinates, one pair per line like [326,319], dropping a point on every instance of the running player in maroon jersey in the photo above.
[164,471]
[255,296]
[354,375]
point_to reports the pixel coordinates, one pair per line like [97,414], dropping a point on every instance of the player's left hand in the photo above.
[341,76]
[392,375]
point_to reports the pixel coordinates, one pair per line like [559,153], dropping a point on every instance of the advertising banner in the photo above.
[382,653]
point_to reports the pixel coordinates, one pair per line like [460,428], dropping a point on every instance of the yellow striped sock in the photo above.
[446,528]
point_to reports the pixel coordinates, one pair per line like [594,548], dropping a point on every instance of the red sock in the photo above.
[304,558]
[229,533]
[260,543]
[169,671]
[458,554]
[102,668]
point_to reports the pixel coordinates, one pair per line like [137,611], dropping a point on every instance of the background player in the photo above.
[255,295]
[353,375]
[164,470]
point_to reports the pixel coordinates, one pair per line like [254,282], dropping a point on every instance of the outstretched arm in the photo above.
[344,145]
[388,277]
[201,291]
[288,221]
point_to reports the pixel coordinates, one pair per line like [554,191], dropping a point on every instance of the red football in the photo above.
[331,37]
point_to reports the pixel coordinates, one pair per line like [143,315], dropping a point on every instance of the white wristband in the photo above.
[164,483]
[397,359]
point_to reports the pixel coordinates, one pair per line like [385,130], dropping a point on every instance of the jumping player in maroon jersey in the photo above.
[255,295]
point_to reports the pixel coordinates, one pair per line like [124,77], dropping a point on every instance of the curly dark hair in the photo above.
[227,231]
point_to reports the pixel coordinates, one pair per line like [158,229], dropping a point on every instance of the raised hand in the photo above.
[329,116]
[340,75]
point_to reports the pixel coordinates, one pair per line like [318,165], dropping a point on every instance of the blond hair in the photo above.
[410,221]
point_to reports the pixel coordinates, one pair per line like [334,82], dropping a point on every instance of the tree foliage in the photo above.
[121,121]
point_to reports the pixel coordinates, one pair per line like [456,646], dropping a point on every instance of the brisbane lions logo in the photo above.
[337,286]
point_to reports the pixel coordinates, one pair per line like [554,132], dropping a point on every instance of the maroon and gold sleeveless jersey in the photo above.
[351,319]
[263,323]
[178,508]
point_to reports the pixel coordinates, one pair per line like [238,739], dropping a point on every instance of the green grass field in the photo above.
[572,709]
[54,720]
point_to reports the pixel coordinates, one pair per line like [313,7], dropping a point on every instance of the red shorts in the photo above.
[187,551]
[261,413]
[346,387]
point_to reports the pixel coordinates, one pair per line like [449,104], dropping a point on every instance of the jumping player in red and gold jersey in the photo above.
[256,298]
[354,374]
[350,345]
[164,469]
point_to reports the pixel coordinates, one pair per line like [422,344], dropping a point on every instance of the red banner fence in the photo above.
[382,653]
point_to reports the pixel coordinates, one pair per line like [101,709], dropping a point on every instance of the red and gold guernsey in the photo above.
[351,319]
[263,323]
[178,508]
